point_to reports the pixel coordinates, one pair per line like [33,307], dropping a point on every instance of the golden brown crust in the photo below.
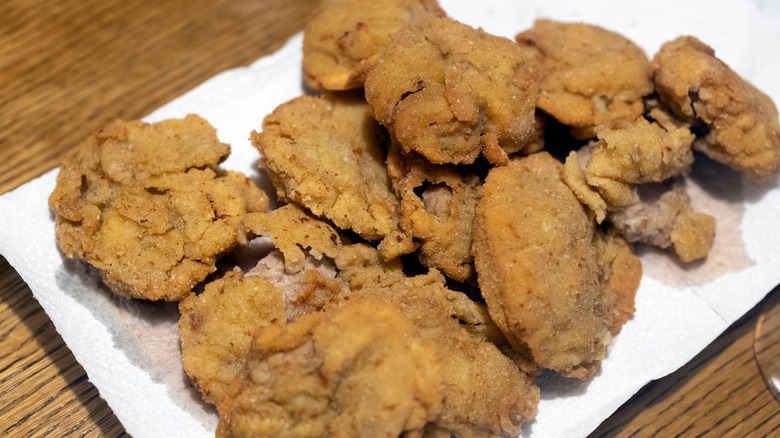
[359,370]
[344,38]
[744,132]
[216,329]
[144,204]
[536,254]
[591,76]
[326,154]
[440,217]
[448,92]
[293,231]
[484,393]
[635,153]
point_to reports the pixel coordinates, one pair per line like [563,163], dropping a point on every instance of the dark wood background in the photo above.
[68,67]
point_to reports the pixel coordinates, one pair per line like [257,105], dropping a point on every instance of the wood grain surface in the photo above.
[68,67]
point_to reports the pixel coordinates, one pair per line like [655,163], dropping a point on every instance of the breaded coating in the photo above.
[144,204]
[326,154]
[448,92]
[485,393]
[216,329]
[344,38]
[636,153]
[359,370]
[437,209]
[664,220]
[304,291]
[536,254]
[302,267]
[591,76]
[742,122]
[621,272]
[293,231]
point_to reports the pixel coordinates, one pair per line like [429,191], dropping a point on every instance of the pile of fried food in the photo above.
[459,215]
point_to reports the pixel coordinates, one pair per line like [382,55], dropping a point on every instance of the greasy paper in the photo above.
[130,348]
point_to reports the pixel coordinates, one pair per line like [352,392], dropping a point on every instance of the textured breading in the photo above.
[636,153]
[437,209]
[591,76]
[144,204]
[361,369]
[295,233]
[344,38]
[536,251]
[216,329]
[666,220]
[449,92]
[485,393]
[742,122]
[326,154]
[304,291]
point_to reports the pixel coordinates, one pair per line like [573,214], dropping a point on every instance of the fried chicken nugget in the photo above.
[216,329]
[344,38]
[742,122]
[448,92]
[441,215]
[536,252]
[144,204]
[326,154]
[485,393]
[591,76]
[361,369]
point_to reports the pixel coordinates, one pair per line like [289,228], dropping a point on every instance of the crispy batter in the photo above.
[744,132]
[294,230]
[449,92]
[440,217]
[144,204]
[359,370]
[216,329]
[636,153]
[485,393]
[621,272]
[664,220]
[326,154]
[304,291]
[591,76]
[344,38]
[536,255]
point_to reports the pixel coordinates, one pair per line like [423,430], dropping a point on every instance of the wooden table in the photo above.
[68,67]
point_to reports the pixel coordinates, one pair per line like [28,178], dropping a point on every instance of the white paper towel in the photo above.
[130,348]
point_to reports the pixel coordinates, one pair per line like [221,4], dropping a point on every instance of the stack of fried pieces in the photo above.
[459,215]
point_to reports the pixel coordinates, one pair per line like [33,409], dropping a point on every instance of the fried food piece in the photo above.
[441,215]
[359,370]
[485,393]
[294,230]
[536,253]
[344,38]
[326,154]
[591,76]
[742,122]
[665,220]
[302,267]
[216,329]
[621,272]
[144,204]
[304,291]
[448,92]
[639,152]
